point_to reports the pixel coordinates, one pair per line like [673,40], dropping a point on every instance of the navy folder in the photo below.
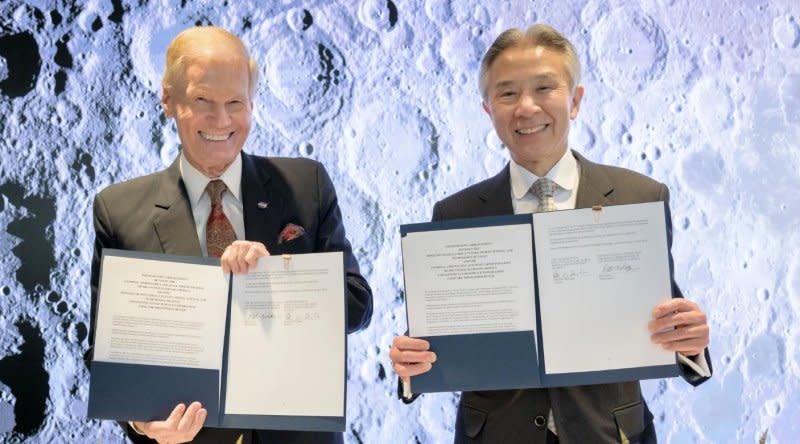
[504,360]
[137,392]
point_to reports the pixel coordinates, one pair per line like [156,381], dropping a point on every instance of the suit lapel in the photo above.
[496,195]
[263,204]
[595,188]
[174,222]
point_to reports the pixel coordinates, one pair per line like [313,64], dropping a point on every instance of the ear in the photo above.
[166,102]
[486,108]
[577,96]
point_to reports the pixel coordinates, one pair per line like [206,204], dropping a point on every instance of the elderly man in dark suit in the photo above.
[216,200]
[531,91]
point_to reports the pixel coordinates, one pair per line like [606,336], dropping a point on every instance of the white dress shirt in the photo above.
[565,173]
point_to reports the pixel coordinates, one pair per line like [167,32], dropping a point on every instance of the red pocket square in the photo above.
[290,232]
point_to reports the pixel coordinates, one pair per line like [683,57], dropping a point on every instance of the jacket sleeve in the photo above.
[687,372]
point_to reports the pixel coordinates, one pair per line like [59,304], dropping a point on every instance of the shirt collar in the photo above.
[563,173]
[196,181]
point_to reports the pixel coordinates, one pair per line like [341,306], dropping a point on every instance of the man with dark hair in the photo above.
[530,83]
[214,194]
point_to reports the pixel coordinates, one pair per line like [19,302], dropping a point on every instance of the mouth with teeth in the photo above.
[215,137]
[533,129]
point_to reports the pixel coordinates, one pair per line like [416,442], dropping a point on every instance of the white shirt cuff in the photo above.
[697,363]
[135,429]
[406,388]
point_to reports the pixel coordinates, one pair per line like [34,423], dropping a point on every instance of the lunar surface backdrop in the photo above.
[703,96]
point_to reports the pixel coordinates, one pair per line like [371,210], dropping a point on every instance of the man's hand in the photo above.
[411,357]
[181,426]
[680,325]
[240,255]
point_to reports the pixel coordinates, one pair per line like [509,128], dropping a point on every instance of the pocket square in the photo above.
[290,232]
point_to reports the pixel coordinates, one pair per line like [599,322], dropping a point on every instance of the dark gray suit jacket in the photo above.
[152,213]
[584,414]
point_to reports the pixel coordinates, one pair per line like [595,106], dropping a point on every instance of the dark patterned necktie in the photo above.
[219,231]
[544,189]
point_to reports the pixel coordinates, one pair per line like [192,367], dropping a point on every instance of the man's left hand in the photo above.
[239,256]
[680,325]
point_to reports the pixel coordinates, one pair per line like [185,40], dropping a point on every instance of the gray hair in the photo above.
[536,35]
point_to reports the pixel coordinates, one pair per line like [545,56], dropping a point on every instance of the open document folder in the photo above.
[174,329]
[538,300]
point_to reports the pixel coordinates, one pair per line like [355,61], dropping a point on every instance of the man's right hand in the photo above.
[241,255]
[182,425]
[411,356]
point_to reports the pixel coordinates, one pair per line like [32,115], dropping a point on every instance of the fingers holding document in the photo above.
[411,356]
[182,425]
[239,256]
[680,325]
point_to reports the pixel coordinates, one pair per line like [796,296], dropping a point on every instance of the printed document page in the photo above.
[600,275]
[160,312]
[287,337]
[469,280]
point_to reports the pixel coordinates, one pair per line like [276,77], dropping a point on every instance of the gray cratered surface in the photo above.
[701,95]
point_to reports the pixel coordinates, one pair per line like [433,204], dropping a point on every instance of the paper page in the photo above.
[469,280]
[600,275]
[287,338]
[160,312]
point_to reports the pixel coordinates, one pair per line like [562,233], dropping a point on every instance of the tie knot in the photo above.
[215,188]
[544,189]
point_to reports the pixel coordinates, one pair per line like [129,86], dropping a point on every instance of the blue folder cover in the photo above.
[508,360]
[275,422]
[610,376]
[137,392]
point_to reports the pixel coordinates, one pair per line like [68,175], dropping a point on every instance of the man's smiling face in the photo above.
[212,109]
[530,99]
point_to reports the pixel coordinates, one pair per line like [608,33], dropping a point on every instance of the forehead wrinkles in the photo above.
[528,65]
[216,77]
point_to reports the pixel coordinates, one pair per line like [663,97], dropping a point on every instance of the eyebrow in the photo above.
[537,77]
[206,93]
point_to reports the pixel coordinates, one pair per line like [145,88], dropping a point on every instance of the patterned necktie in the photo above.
[219,231]
[544,189]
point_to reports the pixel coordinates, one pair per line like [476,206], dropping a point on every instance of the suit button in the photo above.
[540,421]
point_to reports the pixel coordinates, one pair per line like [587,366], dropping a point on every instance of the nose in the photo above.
[221,117]
[526,106]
